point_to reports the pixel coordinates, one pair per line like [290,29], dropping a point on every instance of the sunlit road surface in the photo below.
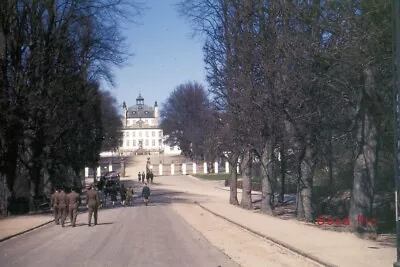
[125,236]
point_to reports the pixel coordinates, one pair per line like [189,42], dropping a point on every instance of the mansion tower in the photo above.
[141,131]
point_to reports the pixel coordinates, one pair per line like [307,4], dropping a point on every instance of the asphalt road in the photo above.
[125,236]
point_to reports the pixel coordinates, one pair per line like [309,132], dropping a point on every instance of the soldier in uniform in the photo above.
[62,206]
[143,177]
[73,201]
[54,206]
[92,198]
[129,195]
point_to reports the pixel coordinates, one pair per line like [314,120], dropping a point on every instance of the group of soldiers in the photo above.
[63,204]
[148,176]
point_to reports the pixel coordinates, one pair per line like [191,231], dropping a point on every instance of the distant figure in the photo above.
[139,177]
[151,176]
[147,177]
[122,192]
[92,200]
[54,205]
[62,206]
[73,201]
[143,177]
[129,195]
[113,194]
[146,194]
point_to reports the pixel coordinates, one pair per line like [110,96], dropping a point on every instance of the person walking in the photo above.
[73,201]
[145,194]
[92,198]
[151,176]
[62,206]
[143,177]
[139,177]
[129,196]
[113,195]
[122,193]
[148,177]
[54,205]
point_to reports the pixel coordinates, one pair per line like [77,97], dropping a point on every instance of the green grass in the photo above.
[213,177]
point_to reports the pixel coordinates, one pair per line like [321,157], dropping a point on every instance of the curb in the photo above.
[283,244]
[25,231]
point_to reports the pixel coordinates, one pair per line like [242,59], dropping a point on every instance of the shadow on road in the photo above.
[85,224]
[165,197]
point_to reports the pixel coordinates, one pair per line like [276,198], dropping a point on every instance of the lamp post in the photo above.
[396,78]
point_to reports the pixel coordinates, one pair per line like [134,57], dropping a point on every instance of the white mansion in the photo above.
[141,131]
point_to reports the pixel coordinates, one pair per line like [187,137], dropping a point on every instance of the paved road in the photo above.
[125,236]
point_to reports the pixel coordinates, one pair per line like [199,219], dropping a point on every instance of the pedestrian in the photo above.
[139,177]
[147,177]
[113,195]
[143,177]
[151,176]
[122,193]
[62,205]
[145,194]
[92,200]
[129,195]
[54,206]
[73,201]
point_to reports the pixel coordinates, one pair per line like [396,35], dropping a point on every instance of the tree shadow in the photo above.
[164,197]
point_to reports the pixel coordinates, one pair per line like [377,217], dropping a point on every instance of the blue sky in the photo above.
[165,56]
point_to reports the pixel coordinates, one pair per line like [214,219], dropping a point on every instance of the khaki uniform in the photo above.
[62,206]
[73,203]
[53,205]
[92,198]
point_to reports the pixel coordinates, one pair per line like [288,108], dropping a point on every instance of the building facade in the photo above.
[141,131]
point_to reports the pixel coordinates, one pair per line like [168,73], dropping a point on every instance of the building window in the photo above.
[140,134]
[153,143]
[127,143]
[147,134]
[171,148]
[133,134]
[127,134]
[147,142]
[133,142]
[159,142]
[153,133]
[159,134]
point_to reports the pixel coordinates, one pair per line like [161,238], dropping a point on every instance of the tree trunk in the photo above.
[246,181]
[305,183]
[362,194]
[283,172]
[330,165]
[267,178]
[233,186]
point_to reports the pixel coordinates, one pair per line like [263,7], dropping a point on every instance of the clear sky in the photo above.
[165,56]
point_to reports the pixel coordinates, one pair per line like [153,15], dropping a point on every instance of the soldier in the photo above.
[122,193]
[151,176]
[92,198]
[147,177]
[54,206]
[73,201]
[62,206]
[129,195]
[139,177]
[146,194]
[143,177]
